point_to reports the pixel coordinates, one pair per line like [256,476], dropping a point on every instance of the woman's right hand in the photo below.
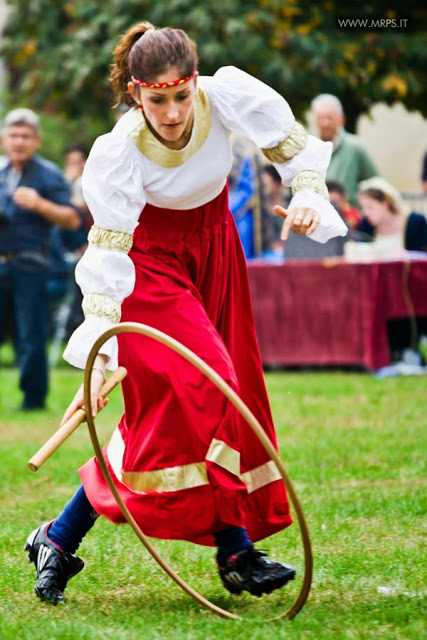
[97,402]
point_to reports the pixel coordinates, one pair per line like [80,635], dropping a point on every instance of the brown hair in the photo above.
[379,189]
[379,196]
[146,57]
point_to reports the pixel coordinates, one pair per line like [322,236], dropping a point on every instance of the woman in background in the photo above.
[387,219]
[394,230]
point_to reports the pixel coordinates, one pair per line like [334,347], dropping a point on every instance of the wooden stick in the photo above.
[72,423]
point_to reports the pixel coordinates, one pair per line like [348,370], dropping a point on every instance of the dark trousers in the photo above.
[23,293]
[404,333]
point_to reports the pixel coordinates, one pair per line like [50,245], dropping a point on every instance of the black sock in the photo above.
[70,527]
[231,541]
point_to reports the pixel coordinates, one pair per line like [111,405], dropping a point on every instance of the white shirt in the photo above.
[389,247]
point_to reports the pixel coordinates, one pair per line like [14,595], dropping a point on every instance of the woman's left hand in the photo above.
[302,220]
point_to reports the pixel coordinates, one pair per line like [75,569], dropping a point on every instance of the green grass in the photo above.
[354,446]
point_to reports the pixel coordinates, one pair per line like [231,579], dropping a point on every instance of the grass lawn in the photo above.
[355,448]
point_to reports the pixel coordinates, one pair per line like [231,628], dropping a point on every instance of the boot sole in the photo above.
[259,589]
[54,602]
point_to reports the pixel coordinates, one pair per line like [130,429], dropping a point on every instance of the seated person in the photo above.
[273,193]
[339,199]
[387,220]
[394,229]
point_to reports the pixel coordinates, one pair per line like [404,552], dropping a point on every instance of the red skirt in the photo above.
[185,463]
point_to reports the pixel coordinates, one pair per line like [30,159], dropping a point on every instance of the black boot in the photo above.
[252,570]
[54,567]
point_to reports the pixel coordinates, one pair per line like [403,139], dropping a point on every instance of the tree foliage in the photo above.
[58,53]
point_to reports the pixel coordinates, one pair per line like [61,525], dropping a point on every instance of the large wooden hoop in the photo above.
[135,327]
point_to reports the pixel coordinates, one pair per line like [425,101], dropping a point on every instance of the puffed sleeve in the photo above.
[252,109]
[113,190]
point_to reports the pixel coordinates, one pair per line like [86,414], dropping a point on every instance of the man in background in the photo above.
[34,196]
[350,162]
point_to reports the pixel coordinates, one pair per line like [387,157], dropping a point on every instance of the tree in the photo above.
[58,53]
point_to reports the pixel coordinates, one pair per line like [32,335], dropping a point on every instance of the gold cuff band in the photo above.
[290,146]
[100,305]
[309,179]
[109,239]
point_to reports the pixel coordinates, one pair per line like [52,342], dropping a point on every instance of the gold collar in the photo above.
[154,150]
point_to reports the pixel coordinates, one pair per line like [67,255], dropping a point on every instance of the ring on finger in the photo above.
[299,218]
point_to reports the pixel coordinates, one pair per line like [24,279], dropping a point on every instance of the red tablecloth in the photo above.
[309,313]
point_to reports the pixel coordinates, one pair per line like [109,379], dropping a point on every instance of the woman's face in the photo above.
[168,110]
[374,210]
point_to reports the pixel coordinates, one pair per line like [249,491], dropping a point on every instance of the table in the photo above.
[314,313]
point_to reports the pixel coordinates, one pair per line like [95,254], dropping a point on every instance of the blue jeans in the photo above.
[23,293]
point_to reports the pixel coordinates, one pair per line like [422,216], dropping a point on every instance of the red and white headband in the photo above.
[162,85]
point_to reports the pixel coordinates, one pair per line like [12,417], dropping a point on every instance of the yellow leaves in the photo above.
[353,80]
[70,9]
[28,50]
[253,20]
[351,50]
[341,69]
[289,11]
[355,72]
[395,83]
[303,29]
[275,43]
[390,14]
[371,67]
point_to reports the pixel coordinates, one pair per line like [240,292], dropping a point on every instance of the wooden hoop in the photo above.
[135,327]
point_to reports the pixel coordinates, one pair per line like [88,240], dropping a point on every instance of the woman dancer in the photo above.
[164,251]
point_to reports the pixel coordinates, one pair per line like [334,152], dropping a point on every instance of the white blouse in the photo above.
[129,167]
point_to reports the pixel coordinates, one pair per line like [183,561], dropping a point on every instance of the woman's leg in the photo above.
[70,527]
[230,541]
